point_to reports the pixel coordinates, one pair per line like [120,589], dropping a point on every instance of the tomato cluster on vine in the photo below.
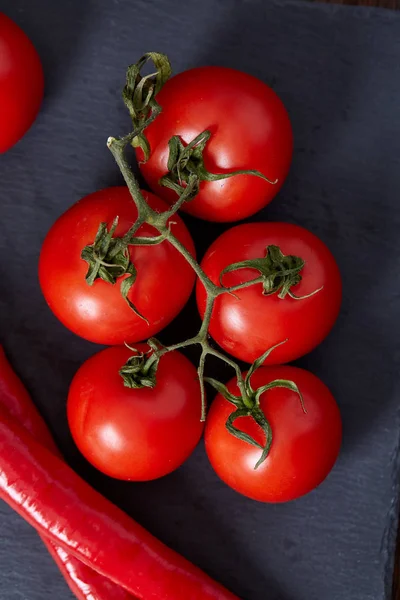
[120,264]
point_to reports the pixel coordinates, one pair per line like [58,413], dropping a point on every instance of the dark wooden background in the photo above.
[395,5]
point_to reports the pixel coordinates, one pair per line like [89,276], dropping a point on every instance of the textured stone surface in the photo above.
[337,69]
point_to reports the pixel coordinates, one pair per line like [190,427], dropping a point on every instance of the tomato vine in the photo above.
[108,256]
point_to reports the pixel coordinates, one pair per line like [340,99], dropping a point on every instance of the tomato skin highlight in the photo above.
[135,434]
[250,129]
[21,83]
[99,313]
[304,447]
[247,325]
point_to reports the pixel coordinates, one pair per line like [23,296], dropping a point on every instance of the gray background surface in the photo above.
[338,71]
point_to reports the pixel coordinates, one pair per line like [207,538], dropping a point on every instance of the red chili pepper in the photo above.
[55,500]
[85,583]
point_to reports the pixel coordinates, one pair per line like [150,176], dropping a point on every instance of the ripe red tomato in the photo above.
[21,83]
[249,323]
[304,447]
[135,434]
[99,313]
[250,129]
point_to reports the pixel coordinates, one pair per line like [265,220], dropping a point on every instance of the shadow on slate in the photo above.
[337,69]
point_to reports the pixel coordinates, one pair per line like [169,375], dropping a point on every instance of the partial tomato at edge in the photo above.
[21,83]
[99,313]
[304,447]
[135,434]
[250,129]
[248,323]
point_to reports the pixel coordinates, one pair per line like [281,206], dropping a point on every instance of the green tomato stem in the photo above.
[185,174]
[160,222]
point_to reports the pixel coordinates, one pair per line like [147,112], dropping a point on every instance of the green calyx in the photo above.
[248,405]
[187,161]
[108,259]
[140,369]
[278,273]
[139,93]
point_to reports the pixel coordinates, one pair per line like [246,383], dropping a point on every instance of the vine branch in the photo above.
[109,257]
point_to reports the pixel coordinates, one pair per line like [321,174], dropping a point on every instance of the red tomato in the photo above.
[21,83]
[135,434]
[250,323]
[98,312]
[250,130]
[304,445]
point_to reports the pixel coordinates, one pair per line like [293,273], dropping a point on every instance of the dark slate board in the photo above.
[338,71]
